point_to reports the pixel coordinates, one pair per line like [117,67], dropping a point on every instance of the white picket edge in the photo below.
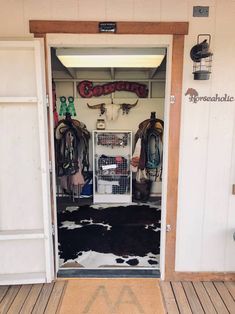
[44,153]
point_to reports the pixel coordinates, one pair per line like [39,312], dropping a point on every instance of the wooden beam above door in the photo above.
[40,27]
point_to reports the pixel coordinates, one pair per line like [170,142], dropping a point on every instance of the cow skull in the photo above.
[127,107]
[112,110]
[99,106]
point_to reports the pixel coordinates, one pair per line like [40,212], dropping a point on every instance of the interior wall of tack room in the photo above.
[153,103]
[206,215]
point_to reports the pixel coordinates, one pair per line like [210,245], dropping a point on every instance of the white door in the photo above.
[26,254]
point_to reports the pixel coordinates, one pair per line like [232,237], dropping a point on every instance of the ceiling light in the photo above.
[111,57]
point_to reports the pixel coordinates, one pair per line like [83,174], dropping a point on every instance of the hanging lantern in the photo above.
[202,58]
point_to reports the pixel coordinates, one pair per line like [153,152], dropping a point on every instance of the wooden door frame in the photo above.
[40,28]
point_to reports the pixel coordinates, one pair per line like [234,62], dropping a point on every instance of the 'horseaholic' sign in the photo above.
[195,97]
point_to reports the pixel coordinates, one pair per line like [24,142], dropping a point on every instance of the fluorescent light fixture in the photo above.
[111,57]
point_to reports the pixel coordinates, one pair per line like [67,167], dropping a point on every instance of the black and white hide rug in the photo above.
[110,236]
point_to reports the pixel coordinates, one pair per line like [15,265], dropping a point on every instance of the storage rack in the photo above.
[112,180]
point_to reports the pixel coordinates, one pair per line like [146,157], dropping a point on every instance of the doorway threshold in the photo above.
[108,273]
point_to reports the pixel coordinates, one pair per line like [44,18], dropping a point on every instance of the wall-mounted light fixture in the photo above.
[202,57]
[111,57]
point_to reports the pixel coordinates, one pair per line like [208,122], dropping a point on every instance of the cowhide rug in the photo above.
[110,235]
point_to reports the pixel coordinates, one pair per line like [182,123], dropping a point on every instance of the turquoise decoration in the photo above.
[71,108]
[63,106]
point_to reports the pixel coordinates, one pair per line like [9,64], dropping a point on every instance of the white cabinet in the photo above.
[112,181]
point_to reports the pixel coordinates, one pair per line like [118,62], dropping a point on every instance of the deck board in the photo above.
[43,298]
[8,298]
[3,291]
[215,297]
[230,285]
[19,299]
[31,299]
[181,298]
[204,298]
[226,296]
[55,297]
[199,297]
[170,303]
[192,298]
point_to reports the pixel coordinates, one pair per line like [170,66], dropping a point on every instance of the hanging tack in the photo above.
[153,115]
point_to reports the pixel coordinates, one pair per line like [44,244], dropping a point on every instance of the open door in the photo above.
[25,214]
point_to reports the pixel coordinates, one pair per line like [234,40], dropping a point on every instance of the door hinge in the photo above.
[233,189]
[47,100]
[53,229]
[168,228]
[50,166]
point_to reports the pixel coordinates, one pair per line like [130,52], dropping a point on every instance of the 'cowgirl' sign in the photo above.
[86,89]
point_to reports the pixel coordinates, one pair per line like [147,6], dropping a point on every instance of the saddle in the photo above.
[150,133]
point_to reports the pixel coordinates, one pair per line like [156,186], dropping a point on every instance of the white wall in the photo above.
[206,209]
[131,121]
[128,122]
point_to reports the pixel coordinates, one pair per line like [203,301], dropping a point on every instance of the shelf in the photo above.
[112,175]
[21,234]
[112,198]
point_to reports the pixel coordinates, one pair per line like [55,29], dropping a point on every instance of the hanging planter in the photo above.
[202,58]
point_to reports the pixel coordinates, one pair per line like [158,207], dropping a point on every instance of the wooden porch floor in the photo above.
[179,297]
[25,299]
[199,297]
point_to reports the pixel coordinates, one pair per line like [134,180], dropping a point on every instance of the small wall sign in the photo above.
[195,97]
[87,89]
[107,27]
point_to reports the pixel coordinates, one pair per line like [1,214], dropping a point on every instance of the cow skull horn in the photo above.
[99,106]
[127,107]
